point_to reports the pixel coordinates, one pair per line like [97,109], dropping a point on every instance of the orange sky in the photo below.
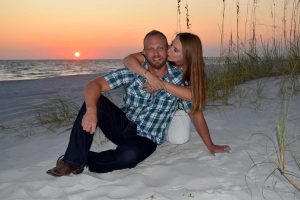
[55,29]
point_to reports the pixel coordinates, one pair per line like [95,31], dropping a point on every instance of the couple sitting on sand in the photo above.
[153,88]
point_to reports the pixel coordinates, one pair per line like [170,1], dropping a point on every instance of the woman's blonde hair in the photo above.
[193,72]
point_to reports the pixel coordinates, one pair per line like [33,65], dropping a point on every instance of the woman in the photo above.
[185,52]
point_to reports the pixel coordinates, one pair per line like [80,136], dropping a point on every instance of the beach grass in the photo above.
[226,79]
[256,58]
[279,159]
[282,138]
[57,112]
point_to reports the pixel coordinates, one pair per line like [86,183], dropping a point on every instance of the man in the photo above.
[136,129]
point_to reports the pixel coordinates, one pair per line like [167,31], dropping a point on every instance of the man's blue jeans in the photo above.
[131,148]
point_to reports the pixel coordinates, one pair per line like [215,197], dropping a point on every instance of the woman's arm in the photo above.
[134,63]
[202,129]
[178,91]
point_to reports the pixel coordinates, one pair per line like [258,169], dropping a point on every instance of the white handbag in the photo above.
[179,130]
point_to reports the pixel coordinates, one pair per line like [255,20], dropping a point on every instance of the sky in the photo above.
[109,29]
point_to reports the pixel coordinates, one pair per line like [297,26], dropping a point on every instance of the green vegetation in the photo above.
[224,81]
[249,59]
[57,112]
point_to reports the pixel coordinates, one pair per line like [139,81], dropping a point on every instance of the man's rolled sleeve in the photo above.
[118,77]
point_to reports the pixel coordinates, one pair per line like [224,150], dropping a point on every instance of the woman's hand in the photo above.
[219,149]
[153,83]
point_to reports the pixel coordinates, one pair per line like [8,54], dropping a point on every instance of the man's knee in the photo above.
[128,159]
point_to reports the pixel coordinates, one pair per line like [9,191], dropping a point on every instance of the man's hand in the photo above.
[219,149]
[89,121]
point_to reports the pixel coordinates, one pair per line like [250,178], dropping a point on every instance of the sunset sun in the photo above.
[77,54]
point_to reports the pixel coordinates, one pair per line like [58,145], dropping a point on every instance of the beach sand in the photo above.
[188,171]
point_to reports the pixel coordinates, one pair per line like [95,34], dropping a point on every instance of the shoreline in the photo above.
[54,77]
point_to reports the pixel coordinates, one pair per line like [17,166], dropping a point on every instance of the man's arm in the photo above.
[202,129]
[92,94]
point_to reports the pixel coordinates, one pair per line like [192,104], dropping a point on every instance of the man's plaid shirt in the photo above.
[151,113]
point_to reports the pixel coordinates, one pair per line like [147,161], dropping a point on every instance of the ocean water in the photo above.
[38,69]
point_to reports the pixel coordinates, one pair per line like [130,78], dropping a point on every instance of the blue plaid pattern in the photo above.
[151,113]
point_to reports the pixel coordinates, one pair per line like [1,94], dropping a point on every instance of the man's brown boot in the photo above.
[63,168]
